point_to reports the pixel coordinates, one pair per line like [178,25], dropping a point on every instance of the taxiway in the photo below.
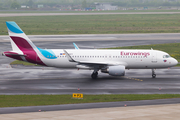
[90,13]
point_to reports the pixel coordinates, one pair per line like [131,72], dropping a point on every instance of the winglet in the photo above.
[68,56]
[76,47]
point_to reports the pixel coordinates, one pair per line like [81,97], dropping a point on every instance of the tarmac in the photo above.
[90,13]
[150,112]
[20,80]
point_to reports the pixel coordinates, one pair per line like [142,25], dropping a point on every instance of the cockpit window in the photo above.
[166,56]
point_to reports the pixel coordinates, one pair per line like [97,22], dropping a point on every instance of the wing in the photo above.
[94,64]
[76,47]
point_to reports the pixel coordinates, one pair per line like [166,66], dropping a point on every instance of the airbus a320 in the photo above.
[113,62]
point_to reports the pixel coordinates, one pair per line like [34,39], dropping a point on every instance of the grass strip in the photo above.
[36,100]
[18,62]
[95,24]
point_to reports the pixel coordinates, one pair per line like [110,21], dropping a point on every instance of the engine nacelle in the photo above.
[114,70]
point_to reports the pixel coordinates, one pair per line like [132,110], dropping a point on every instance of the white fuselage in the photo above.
[131,59]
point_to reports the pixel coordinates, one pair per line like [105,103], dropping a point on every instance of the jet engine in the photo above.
[114,70]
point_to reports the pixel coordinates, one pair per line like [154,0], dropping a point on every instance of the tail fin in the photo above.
[19,40]
[23,48]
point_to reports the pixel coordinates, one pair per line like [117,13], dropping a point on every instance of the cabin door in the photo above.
[154,57]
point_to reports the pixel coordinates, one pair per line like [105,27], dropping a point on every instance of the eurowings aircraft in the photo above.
[113,62]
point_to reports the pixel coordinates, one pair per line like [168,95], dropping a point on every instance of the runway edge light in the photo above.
[77,95]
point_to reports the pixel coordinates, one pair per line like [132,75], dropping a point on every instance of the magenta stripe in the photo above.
[22,44]
[27,49]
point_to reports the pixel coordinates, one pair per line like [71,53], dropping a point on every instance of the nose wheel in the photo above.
[153,73]
[94,75]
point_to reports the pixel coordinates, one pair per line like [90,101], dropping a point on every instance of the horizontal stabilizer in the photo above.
[14,54]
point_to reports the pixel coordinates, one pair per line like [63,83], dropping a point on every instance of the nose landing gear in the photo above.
[153,73]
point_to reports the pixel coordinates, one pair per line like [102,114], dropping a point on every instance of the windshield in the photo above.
[166,56]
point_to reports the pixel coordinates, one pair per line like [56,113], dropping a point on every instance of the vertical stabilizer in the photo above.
[22,45]
[19,40]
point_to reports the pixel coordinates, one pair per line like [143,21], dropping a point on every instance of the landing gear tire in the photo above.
[94,75]
[153,75]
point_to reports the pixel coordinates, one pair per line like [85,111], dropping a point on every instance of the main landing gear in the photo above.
[153,73]
[94,75]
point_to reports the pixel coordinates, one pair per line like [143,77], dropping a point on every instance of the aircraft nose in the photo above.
[175,62]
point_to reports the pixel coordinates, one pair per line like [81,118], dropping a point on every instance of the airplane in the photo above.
[113,62]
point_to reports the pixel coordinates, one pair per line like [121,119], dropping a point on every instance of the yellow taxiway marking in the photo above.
[134,79]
